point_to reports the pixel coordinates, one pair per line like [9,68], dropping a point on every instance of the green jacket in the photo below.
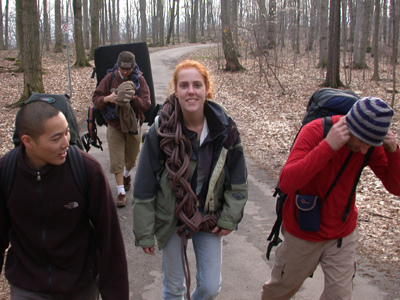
[225,186]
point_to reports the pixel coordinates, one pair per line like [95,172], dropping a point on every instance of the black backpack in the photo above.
[74,160]
[323,103]
[62,102]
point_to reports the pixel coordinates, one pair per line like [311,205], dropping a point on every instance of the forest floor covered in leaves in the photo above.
[268,110]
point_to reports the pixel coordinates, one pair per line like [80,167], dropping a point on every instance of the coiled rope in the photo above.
[178,149]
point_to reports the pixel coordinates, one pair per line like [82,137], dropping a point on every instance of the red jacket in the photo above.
[312,167]
[53,245]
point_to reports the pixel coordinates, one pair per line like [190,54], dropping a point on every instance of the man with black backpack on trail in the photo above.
[319,215]
[123,96]
[62,228]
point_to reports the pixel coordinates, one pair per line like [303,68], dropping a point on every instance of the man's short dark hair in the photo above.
[31,117]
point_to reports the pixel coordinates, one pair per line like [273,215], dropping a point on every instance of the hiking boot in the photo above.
[121,200]
[127,183]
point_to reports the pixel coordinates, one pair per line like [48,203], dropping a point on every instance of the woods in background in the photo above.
[339,34]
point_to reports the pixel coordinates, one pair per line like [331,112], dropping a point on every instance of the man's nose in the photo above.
[65,142]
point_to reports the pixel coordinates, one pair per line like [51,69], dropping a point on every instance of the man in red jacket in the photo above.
[63,245]
[328,235]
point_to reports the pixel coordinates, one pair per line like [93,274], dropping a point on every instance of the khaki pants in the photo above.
[123,148]
[297,259]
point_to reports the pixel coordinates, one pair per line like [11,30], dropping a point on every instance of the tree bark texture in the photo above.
[81,60]
[143,25]
[271,30]
[57,27]
[323,35]
[231,57]
[333,67]
[171,23]
[94,26]
[376,40]
[32,63]
[86,30]
[193,19]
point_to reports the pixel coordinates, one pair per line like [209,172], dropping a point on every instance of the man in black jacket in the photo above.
[63,245]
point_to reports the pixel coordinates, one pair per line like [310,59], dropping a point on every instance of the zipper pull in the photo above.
[38,177]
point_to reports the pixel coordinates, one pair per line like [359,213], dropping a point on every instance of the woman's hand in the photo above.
[148,250]
[221,231]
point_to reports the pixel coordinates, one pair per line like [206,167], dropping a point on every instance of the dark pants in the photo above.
[91,292]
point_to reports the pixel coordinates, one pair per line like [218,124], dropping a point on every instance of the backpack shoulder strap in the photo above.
[75,161]
[111,80]
[8,172]
[327,125]
[350,200]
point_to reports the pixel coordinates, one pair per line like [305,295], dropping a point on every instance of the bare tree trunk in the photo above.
[160,13]
[311,31]
[209,17]
[81,60]
[128,23]
[103,26]
[333,67]
[30,46]
[231,57]
[154,27]
[171,23]
[177,18]
[271,30]
[6,26]
[394,7]
[376,40]
[360,52]
[323,35]
[94,28]
[1,27]
[282,25]
[352,19]
[193,19]
[110,23]
[358,30]
[262,29]
[143,26]
[57,27]
[395,29]
[46,27]
[345,42]
[19,27]
[384,22]
[235,23]
[116,27]
[86,30]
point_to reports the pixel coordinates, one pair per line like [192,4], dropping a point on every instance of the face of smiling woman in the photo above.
[191,92]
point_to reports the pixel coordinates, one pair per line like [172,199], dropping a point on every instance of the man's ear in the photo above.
[27,141]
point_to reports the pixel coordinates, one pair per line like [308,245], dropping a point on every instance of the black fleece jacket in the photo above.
[59,241]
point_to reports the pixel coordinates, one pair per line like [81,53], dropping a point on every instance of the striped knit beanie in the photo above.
[369,120]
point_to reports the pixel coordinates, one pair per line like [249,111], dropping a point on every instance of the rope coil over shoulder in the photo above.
[178,149]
